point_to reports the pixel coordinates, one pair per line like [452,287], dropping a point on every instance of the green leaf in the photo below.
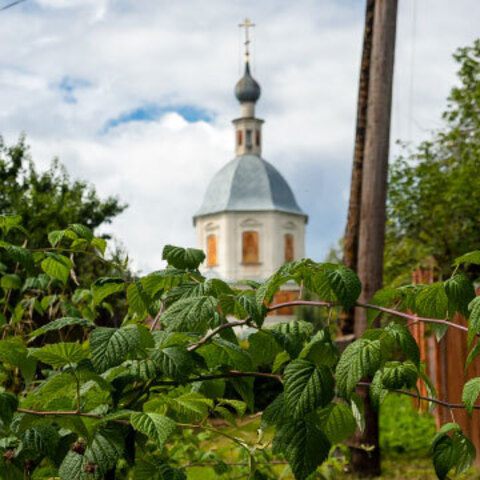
[72,467]
[100,244]
[105,449]
[40,439]
[321,350]
[60,354]
[57,266]
[275,412]
[471,391]
[156,470]
[11,280]
[382,298]
[292,335]
[190,315]
[471,257]
[9,222]
[21,255]
[110,346]
[138,299]
[60,323]
[460,293]
[183,258]
[445,428]
[189,407]
[474,319]
[466,452]
[405,341]
[337,422]
[397,375]
[266,291]
[82,231]
[378,392]
[175,362]
[445,456]
[307,387]
[230,354]
[105,286]
[358,410]
[432,301]
[55,237]
[153,425]
[8,405]
[263,347]
[345,284]
[244,387]
[474,352]
[360,359]
[303,445]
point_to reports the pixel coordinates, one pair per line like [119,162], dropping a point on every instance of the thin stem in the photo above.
[212,333]
[390,311]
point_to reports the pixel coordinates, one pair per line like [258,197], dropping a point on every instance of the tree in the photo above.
[434,191]
[48,200]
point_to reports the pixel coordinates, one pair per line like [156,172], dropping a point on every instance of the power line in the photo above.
[10,5]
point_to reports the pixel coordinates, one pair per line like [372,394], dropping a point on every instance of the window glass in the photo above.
[211,250]
[289,248]
[250,247]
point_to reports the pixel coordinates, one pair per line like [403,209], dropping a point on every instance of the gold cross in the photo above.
[247,24]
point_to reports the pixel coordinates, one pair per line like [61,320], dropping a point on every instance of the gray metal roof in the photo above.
[248,183]
[247,88]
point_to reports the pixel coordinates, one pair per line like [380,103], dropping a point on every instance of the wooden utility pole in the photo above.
[350,241]
[375,164]
[373,203]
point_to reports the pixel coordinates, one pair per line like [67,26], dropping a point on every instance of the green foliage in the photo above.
[434,189]
[80,400]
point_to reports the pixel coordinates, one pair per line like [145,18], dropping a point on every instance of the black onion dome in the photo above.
[247,88]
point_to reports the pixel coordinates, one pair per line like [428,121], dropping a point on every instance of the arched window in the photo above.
[250,247]
[257,137]
[248,139]
[239,138]
[211,251]
[289,248]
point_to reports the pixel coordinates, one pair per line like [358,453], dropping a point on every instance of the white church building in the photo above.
[249,223]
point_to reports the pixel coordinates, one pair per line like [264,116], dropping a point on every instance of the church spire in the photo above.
[247,91]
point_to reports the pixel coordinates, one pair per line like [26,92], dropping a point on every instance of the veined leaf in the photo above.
[106,286]
[345,284]
[60,354]
[337,422]
[175,362]
[21,255]
[360,359]
[471,391]
[266,291]
[72,467]
[190,314]
[399,374]
[182,258]
[292,335]
[82,231]
[307,387]
[188,407]
[432,301]
[473,319]
[460,293]
[155,426]
[405,341]
[474,352]
[275,412]
[55,237]
[110,346]
[156,470]
[466,450]
[57,266]
[40,439]
[105,449]
[263,347]
[11,280]
[8,405]
[445,456]
[60,323]
[471,257]
[303,445]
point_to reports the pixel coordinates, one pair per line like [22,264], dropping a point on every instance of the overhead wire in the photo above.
[10,5]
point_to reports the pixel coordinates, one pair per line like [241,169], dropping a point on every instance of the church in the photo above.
[249,223]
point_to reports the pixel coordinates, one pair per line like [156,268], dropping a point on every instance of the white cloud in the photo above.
[131,54]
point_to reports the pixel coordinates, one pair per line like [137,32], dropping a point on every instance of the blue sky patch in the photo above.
[151,113]
[68,85]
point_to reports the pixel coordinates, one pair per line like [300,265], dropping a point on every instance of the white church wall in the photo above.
[271,228]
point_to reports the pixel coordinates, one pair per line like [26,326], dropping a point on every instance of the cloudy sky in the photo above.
[136,96]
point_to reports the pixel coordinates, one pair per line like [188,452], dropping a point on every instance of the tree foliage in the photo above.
[434,191]
[84,401]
